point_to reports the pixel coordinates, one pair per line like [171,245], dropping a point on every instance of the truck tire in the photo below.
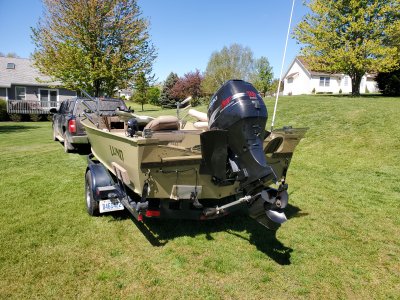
[54,135]
[68,146]
[92,206]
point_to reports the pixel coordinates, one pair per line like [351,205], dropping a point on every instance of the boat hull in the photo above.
[169,163]
[169,168]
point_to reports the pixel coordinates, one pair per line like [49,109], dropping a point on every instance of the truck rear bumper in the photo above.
[79,139]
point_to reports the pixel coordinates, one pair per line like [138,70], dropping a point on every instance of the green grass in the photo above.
[341,242]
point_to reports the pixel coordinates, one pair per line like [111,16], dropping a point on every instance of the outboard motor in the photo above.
[238,109]
[232,150]
[132,127]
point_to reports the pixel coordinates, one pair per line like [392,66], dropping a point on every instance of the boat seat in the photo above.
[200,125]
[163,123]
[143,120]
[198,115]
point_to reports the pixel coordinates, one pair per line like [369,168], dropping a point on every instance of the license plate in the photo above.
[108,205]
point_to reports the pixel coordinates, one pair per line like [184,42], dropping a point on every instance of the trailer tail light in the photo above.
[72,126]
[152,213]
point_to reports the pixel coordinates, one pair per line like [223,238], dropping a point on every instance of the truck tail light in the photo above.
[72,126]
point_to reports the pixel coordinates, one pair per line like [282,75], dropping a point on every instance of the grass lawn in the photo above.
[341,242]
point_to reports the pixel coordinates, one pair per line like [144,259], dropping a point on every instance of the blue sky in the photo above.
[185,32]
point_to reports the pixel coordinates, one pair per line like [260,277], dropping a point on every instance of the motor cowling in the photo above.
[238,109]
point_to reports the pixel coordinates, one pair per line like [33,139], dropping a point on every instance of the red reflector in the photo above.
[72,126]
[152,213]
[140,218]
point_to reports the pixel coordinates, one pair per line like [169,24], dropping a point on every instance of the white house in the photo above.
[300,79]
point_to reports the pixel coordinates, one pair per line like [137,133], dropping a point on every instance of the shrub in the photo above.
[313,91]
[35,117]
[3,110]
[188,85]
[340,91]
[389,83]
[201,101]
[16,117]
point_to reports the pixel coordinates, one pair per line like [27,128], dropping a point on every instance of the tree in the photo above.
[166,98]
[188,85]
[153,94]
[96,45]
[389,83]
[262,76]
[235,62]
[9,54]
[141,87]
[350,36]
[12,55]
[274,86]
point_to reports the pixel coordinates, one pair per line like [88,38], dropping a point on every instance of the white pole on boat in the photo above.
[283,62]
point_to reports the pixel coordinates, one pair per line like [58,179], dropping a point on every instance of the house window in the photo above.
[48,97]
[10,66]
[346,80]
[324,81]
[290,80]
[20,93]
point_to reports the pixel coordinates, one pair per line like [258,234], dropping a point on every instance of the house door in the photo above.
[53,98]
[44,96]
[48,98]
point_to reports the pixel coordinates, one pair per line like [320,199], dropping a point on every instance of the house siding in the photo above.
[32,92]
[371,85]
[298,80]
[334,84]
[300,84]
[26,75]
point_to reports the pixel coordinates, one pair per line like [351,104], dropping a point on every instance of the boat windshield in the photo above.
[106,105]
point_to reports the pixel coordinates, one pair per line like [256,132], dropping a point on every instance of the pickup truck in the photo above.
[67,126]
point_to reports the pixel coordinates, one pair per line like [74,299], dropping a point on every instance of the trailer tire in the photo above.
[92,206]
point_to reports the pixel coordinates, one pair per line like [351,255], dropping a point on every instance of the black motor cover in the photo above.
[238,108]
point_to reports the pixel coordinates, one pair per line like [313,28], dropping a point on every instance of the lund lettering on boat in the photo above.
[117,152]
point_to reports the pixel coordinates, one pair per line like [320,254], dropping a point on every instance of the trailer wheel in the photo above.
[92,206]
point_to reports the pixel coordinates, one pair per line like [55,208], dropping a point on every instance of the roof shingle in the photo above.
[23,74]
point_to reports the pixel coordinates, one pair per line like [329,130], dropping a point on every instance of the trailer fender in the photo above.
[100,177]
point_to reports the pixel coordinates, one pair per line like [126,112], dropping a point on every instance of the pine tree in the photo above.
[166,98]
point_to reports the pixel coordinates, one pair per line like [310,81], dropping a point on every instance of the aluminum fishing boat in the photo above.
[193,165]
